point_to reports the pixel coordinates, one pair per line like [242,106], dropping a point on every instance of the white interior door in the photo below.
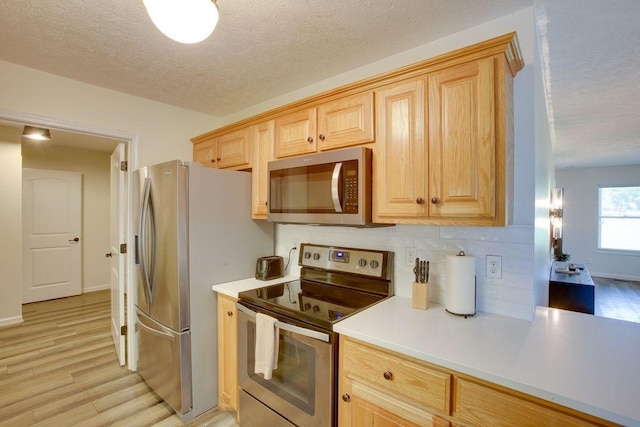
[51,229]
[117,258]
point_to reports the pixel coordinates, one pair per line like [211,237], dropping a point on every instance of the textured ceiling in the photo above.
[262,49]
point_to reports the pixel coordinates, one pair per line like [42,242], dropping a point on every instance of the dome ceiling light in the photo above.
[185,21]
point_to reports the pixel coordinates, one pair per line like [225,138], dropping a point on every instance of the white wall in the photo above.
[10,232]
[95,170]
[543,155]
[580,227]
[515,293]
[163,131]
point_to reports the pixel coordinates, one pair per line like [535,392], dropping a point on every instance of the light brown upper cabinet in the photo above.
[262,137]
[441,132]
[444,151]
[399,167]
[227,151]
[339,123]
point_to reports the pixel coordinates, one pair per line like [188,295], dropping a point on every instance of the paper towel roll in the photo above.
[460,293]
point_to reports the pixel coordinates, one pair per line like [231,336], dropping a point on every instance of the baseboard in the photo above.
[96,288]
[11,321]
[615,276]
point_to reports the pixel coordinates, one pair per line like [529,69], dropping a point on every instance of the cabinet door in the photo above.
[234,150]
[205,153]
[346,122]
[227,352]
[262,136]
[462,141]
[295,133]
[400,166]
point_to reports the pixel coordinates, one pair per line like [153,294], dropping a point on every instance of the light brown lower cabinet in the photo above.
[381,388]
[227,353]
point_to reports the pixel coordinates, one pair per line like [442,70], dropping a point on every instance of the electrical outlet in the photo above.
[410,257]
[494,266]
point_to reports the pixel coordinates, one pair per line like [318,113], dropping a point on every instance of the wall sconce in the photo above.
[555,213]
[36,133]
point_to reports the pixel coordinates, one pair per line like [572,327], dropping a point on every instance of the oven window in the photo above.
[294,378]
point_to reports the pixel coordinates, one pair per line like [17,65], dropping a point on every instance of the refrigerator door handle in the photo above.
[156,332]
[147,218]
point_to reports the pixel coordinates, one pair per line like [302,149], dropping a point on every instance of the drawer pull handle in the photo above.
[387,375]
[346,397]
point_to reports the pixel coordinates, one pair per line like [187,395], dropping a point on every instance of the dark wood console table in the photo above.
[571,291]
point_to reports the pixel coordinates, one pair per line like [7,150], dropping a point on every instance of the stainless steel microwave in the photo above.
[332,188]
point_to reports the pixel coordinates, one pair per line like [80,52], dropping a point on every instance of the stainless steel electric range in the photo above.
[335,282]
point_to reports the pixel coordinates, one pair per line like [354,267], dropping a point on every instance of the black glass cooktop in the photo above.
[316,303]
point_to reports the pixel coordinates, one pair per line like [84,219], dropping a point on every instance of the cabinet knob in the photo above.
[218,159]
[387,375]
[321,137]
[230,313]
[420,200]
[213,160]
[346,397]
[434,200]
[310,139]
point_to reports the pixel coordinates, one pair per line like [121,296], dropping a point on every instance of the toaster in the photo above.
[269,267]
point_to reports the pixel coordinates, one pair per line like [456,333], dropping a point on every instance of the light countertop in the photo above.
[232,289]
[588,363]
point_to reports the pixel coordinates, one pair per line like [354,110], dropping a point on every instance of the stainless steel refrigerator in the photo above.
[194,230]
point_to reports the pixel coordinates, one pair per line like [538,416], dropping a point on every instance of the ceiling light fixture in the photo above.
[36,133]
[185,21]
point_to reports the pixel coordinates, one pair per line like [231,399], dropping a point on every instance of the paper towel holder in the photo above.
[475,288]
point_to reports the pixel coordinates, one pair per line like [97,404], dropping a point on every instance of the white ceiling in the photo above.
[262,49]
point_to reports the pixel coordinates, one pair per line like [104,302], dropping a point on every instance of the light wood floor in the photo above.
[59,368]
[617,299]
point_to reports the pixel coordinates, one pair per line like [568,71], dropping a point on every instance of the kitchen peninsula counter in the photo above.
[587,363]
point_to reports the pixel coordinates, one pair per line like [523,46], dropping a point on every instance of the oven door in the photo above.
[302,387]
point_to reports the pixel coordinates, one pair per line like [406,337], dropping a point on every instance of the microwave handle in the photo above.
[335,194]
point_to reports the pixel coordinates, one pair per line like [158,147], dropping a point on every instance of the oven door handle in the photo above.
[321,336]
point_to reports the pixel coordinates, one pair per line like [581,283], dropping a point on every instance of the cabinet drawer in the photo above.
[398,376]
[476,404]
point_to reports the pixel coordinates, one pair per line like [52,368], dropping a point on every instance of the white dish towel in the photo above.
[267,343]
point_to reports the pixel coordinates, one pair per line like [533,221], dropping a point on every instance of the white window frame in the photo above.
[599,217]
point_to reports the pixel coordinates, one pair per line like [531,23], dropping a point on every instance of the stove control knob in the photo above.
[307,255]
[374,264]
[316,256]
[306,307]
[316,309]
[362,262]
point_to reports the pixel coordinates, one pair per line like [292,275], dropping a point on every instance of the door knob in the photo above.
[108,254]
[75,239]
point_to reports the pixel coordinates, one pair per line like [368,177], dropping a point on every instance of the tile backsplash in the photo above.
[511,295]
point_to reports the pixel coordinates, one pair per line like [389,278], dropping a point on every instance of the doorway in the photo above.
[91,144]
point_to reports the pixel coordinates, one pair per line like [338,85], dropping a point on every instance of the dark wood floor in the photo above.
[617,299]
[59,368]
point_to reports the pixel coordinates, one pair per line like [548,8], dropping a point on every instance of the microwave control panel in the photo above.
[351,187]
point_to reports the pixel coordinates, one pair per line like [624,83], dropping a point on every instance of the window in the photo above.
[619,218]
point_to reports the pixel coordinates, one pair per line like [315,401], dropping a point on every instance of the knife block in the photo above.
[420,295]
